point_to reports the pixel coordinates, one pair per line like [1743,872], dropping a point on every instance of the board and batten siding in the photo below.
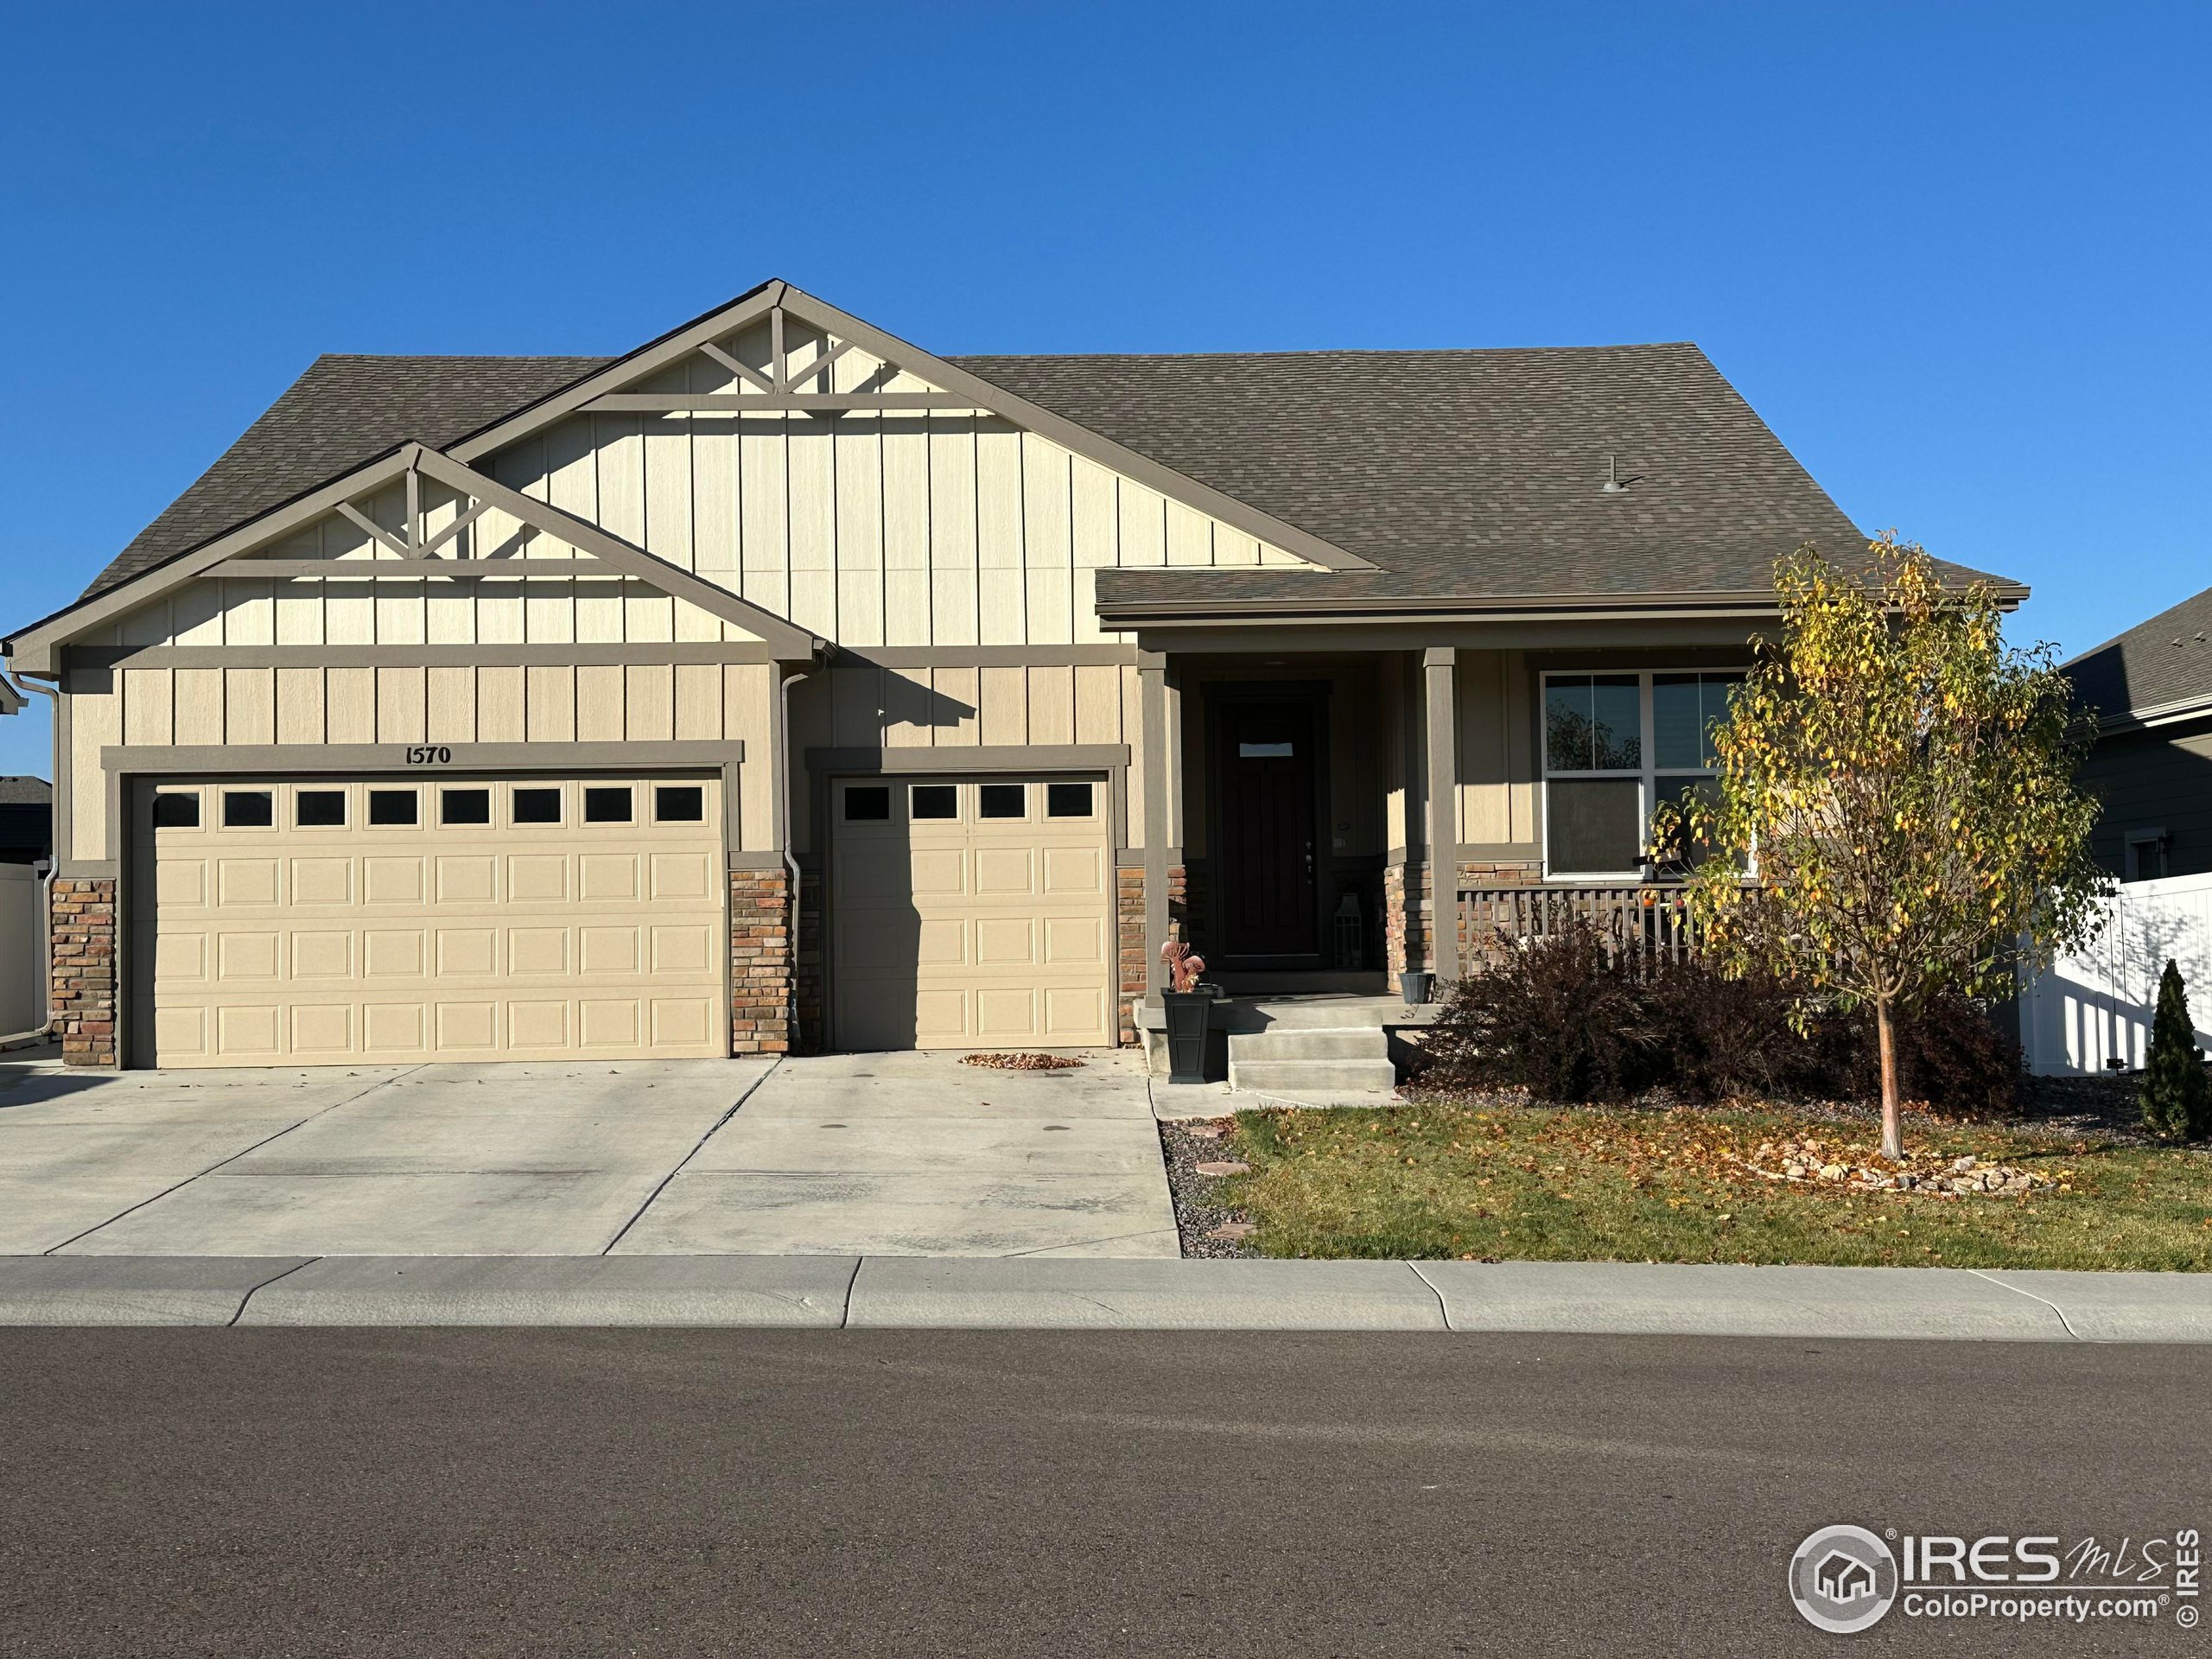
[891,528]
[484,704]
[1498,764]
[860,704]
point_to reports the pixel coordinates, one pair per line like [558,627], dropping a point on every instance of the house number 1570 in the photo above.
[429,754]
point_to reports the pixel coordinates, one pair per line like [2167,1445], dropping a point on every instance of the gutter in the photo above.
[823,649]
[1730,604]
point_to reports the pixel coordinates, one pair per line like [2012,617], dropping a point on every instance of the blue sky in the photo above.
[1956,255]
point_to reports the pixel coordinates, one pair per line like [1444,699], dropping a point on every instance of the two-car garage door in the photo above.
[971,912]
[319,920]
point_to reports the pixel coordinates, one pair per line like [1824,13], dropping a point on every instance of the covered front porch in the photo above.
[1367,823]
[1290,802]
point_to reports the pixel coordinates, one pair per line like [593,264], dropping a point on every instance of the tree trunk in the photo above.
[1892,1118]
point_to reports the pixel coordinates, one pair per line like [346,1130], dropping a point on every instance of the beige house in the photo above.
[781,684]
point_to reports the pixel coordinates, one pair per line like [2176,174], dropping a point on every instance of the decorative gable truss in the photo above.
[868,490]
[776,471]
[417,549]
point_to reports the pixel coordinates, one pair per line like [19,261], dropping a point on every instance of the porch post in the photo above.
[1152,697]
[1440,666]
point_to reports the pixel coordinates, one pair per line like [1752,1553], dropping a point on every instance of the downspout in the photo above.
[790,859]
[24,1038]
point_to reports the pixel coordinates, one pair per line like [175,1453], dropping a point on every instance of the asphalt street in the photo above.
[910,1493]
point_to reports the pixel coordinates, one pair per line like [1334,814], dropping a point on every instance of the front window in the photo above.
[1616,746]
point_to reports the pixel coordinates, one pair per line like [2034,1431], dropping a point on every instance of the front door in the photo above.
[1268,815]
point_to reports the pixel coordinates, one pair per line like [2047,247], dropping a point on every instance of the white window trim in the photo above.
[1647,776]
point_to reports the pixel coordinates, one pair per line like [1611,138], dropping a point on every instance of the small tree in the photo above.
[1899,786]
[2176,1099]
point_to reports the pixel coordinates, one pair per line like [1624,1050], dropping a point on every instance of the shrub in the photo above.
[1560,1018]
[2177,1102]
[1569,1018]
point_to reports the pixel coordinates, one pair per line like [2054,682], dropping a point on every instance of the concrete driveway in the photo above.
[890,1153]
[916,1155]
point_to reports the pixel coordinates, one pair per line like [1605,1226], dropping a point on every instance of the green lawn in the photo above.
[1526,1183]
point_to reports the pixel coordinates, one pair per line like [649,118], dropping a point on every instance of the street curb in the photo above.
[1104,1294]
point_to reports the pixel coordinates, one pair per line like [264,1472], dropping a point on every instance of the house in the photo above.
[781,682]
[2152,766]
[1844,1578]
[26,820]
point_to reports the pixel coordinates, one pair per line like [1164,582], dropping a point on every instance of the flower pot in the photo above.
[1414,986]
[1188,1012]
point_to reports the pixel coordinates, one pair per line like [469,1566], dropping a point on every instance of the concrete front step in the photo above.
[1240,1015]
[1310,1043]
[1313,1077]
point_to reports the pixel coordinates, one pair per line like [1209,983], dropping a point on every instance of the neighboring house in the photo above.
[2152,690]
[490,706]
[26,820]
[2151,766]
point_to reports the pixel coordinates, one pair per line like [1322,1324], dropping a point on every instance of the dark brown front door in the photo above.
[1268,818]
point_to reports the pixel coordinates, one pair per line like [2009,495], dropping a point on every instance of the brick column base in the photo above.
[1129,899]
[1483,923]
[1405,923]
[759,961]
[81,988]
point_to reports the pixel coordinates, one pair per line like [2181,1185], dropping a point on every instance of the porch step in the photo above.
[1310,1043]
[1311,1077]
[1242,1015]
[1313,1047]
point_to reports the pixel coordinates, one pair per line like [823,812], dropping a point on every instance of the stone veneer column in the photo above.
[1132,961]
[81,987]
[760,962]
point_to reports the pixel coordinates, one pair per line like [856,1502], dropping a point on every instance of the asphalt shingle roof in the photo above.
[1460,473]
[343,412]
[2165,660]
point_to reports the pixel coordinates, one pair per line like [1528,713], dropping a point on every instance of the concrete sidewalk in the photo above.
[1074,1294]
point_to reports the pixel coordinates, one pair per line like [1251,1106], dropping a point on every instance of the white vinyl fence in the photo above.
[2097,1005]
[22,933]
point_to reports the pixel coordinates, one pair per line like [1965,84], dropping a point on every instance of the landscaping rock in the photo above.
[1226,1166]
[1807,1160]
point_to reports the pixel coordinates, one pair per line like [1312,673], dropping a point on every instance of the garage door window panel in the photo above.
[465,806]
[249,809]
[319,809]
[1069,800]
[607,803]
[394,809]
[1002,801]
[679,804]
[868,802]
[536,805]
[176,809]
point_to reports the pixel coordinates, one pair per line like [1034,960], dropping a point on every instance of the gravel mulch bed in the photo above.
[1186,1145]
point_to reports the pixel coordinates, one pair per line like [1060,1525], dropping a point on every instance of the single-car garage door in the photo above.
[971,912]
[322,920]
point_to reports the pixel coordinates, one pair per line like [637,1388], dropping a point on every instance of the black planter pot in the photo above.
[1414,985]
[1188,1012]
